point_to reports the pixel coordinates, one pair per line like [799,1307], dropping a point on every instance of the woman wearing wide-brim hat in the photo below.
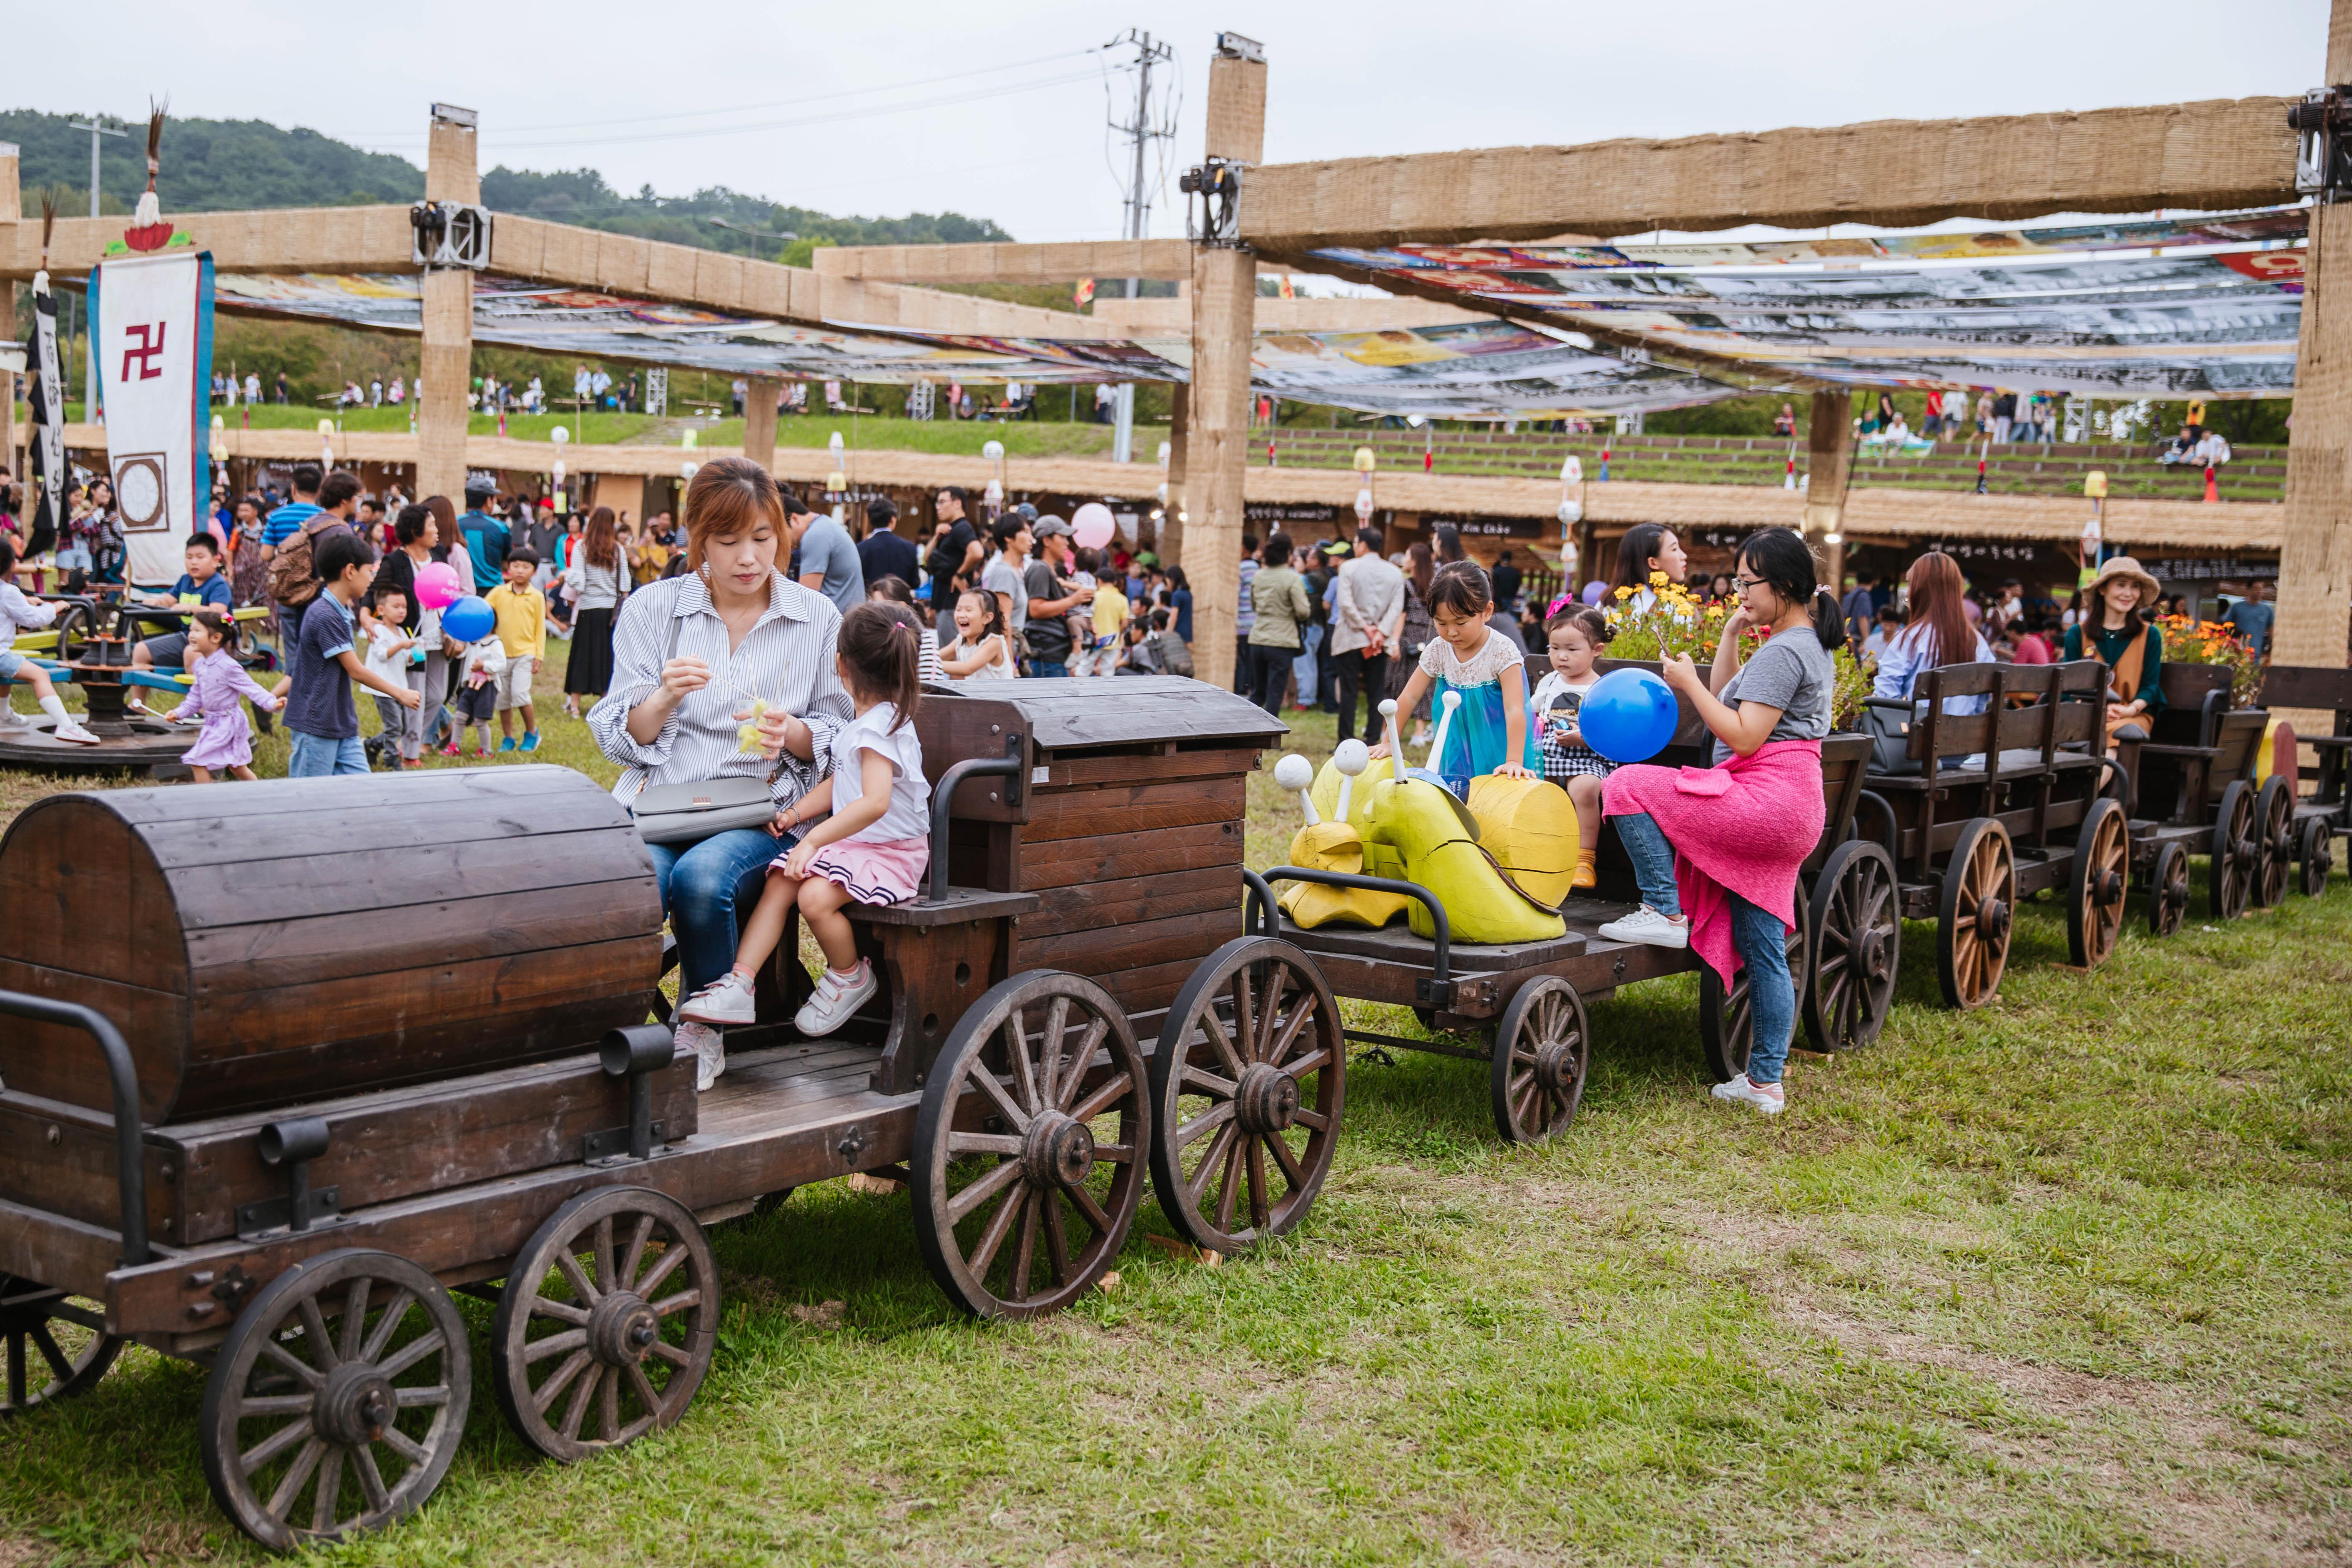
[2119,618]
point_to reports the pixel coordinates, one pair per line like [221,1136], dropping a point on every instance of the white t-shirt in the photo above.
[910,793]
[1000,576]
[998,668]
[1555,686]
[1484,668]
[387,655]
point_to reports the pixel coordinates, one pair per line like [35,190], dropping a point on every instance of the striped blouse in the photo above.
[787,657]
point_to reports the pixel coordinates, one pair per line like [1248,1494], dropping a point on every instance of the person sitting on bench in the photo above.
[204,584]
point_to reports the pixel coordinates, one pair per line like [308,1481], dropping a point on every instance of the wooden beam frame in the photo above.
[2218,153]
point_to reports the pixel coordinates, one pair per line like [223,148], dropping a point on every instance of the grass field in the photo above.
[2060,1282]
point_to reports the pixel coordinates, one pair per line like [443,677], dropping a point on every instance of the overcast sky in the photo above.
[997,110]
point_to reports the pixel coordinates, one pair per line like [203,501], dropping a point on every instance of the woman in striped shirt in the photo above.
[690,654]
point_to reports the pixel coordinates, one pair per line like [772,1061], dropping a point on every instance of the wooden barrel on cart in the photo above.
[1127,819]
[263,943]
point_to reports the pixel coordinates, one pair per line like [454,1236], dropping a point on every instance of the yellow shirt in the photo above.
[1110,610]
[522,621]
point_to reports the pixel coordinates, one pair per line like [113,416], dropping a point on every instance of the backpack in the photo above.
[293,579]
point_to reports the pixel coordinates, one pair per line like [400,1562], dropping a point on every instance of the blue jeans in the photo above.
[319,757]
[1048,669]
[1761,941]
[702,886]
[1310,639]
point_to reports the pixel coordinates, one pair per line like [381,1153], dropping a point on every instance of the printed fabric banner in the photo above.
[152,323]
[49,445]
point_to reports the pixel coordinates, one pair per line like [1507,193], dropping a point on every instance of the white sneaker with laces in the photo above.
[1766,1098]
[726,1000]
[835,1001]
[709,1048]
[74,734]
[1647,926]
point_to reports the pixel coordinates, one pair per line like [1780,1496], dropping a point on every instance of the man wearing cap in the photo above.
[885,552]
[485,536]
[1044,581]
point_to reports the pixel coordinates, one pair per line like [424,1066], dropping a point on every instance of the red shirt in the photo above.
[2031,650]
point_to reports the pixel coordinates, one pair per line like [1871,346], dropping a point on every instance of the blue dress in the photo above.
[1478,740]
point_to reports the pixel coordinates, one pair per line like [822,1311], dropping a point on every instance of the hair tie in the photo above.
[1559,603]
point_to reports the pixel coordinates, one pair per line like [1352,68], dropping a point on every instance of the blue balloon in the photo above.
[469,619]
[1629,715]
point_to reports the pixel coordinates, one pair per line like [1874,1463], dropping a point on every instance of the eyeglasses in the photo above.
[1744,584]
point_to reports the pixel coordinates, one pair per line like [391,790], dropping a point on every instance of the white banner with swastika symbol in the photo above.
[152,323]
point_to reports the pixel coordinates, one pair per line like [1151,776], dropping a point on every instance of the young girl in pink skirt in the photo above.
[227,740]
[872,851]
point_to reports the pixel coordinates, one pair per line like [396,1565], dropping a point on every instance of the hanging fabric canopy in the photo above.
[2025,309]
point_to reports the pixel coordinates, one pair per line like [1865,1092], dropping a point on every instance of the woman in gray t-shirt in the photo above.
[1732,838]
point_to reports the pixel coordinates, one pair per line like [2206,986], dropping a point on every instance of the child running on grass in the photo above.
[227,740]
[872,850]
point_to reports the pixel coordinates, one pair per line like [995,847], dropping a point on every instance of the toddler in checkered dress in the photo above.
[1576,632]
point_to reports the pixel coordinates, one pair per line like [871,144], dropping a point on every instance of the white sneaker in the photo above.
[74,734]
[709,1048]
[726,1000]
[1766,1098]
[1647,926]
[836,1000]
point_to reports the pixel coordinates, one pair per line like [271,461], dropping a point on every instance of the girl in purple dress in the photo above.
[226,741]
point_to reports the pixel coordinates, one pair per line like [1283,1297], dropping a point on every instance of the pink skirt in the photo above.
[872,870]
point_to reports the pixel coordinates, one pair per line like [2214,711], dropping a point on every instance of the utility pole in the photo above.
[90,354]
[1140,132]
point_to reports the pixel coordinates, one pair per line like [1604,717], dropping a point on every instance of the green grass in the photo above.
[2059,1281]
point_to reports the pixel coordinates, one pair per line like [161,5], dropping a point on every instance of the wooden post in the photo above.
[1829,469]
[1224,304]
[12,208]
[760,420]
[1171,522]
[2316,556]
[452,173]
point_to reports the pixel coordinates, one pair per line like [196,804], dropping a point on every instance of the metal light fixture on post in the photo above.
[993,495]
[837,483]
[686,472]
[1571,513]
[1364,461]
[560,436]
[220,450]
[327,443]
[2088,548]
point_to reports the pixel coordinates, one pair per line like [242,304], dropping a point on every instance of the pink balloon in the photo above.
[438,586]
[1091,526]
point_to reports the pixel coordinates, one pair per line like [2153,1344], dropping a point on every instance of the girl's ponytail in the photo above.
[883,647]
[1828,619]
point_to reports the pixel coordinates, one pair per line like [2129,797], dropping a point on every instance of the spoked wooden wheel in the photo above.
[312,1432]
[2237,853]
[2095,889]
[588,1358]
[57,1345]
[2167,890]
[1543,1048]
[2315,857]
[1979,903]
[2275,829]
[1726,1019]
[1029,1146]
[1855,942]
[1247,1083]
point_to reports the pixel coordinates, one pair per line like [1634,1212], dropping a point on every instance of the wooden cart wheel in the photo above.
[2167,890]
[1855,941]
[2095,892]
[1030,1145]
[1726,1021]
[586,1358]
[2274,829]
[75,627]
[57,1345]
[2316,857]
[1979,905]
[2237,853]
[1247,1083]
[1543,1047]
[311,1433]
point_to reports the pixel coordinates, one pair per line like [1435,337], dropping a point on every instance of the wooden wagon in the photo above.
[1529,999]
[270,1097]
[2327,810]
[2191,789]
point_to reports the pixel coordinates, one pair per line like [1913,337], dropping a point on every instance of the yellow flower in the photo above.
[1624,593]
[1715,612]
[1657,579]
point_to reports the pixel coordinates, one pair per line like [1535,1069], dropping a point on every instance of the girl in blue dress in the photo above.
[1489,732]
